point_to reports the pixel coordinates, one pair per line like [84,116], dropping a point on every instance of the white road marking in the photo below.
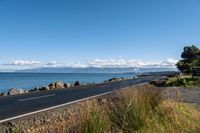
[32,98]
[65,104]
[104,86]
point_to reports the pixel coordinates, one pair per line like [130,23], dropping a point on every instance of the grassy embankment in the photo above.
[141,110]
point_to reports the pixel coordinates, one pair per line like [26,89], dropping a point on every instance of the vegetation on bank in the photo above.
[183,82]
[142,111]
[190,59]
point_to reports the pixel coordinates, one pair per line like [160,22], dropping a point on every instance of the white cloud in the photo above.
[170,61]
[107,63]
[131,63]
[96,63]
[27,63]
[23,63]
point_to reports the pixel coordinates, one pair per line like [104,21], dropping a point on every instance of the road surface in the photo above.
[13,106]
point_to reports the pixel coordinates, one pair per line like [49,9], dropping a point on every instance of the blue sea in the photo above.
[31,80]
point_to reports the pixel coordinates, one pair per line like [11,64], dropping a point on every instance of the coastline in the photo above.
[67,85]
[29,81]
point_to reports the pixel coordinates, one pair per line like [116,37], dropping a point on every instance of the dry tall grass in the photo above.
[135,110]
[141,110]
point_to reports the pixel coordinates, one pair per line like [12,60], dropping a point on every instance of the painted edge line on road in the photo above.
[65,104]
[33,98]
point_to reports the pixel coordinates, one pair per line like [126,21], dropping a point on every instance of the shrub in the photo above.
[96,120]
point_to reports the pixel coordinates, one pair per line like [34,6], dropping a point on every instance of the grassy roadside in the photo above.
[141,110]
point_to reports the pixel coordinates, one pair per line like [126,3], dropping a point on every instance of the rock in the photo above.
[14,91]
[72,85]
[5,94]
[52,86]
[1,94]
[159,83]
[114,79]
[35,89]
[67,85]
[57,85]
[135,77]
[47,88]
[77,83]
[44,88]
[60,84]
[26,91]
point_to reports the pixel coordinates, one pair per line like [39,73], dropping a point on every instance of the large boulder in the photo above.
[60,84]
[14,91]
[56,85]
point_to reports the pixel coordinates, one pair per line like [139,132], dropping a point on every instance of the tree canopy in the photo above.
[190,58]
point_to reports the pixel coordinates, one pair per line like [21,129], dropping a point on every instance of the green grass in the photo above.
[94,120]
[142,111]
[129,112]
[183,82]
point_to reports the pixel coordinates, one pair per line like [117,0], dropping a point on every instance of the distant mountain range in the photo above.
[93,70]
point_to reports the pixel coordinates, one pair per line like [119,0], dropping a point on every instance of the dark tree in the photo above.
[190,59]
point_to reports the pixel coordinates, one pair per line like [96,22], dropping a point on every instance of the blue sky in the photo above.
[84,30]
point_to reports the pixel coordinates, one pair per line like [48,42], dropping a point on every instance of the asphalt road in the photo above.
[12,106]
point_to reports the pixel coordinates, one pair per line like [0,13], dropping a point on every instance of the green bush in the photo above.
[183,82]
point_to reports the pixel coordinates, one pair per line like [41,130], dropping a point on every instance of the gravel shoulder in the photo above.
[188,95]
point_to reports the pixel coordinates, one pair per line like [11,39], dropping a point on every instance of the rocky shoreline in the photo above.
[63,85]
[54,86]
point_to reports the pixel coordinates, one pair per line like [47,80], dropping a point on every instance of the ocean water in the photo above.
[31,80]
